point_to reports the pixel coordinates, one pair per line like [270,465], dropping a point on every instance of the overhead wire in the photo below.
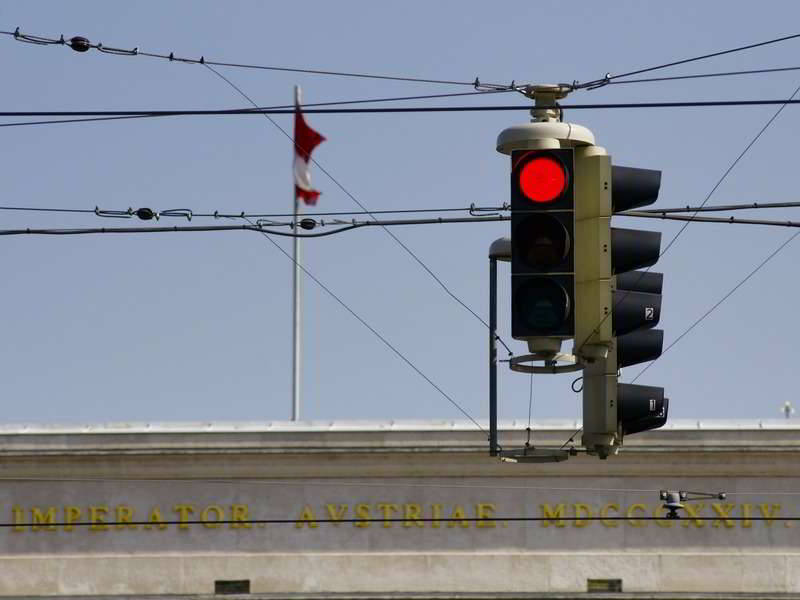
[364,208]
[385,520]
[130,212]
[694,216]
[472,209]
[328,290]
[258,227]
[331,103]
[264,226]
[82,44]
[719,302]
[414,109]
[705,75]
[388,344]
[608,78]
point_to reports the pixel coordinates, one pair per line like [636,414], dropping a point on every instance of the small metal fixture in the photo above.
[673,500]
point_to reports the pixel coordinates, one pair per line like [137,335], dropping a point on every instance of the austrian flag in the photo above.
[305,140]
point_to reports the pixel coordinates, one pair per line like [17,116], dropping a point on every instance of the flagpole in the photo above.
[296,300]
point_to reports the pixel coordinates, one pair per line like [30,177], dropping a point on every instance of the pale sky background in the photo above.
[164,327]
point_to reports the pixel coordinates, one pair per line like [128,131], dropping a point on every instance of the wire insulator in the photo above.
[145,214]
[308,224]
[79,44]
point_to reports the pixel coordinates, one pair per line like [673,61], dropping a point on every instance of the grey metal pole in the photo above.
[296,341]
[492,356]
[296,301]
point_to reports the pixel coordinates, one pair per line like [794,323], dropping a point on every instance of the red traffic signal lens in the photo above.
[543,179]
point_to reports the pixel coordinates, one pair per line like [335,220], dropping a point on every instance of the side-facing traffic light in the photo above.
[542,244]
[637,301]
[617,305]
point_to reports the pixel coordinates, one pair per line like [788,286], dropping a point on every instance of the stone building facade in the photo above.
[394,509]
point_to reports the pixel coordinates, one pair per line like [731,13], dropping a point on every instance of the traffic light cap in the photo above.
[540,135]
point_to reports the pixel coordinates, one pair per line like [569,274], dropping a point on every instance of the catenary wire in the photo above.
[364,208]
[608,77]
[721,207]
[340,103]
[413,109]
[450,520]
[342,226]
[694,215]
[696,219]
[720,301]
[705,75]
[391,347]
[222,215]
[472,209]
[85,44]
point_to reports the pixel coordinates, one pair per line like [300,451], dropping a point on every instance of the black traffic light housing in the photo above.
[542,243]
[636,301]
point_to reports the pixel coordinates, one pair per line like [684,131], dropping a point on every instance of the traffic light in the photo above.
[618,305]
[637,301]
[542,245]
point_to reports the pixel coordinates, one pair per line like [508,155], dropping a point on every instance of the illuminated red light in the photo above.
[543,179]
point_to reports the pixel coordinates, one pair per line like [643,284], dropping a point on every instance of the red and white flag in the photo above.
[305,140]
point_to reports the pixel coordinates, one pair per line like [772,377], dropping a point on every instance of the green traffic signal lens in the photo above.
[542,241]
[543,304]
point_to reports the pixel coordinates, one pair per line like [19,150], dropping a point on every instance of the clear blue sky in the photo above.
[198,326]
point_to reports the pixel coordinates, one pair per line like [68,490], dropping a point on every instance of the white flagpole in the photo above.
[296,301]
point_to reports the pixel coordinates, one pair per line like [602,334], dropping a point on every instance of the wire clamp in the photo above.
[177,212]
[600,83]
[114,214]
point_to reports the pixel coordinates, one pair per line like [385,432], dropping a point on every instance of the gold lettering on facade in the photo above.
[630,513]
[604,513]
[724,512]
[307,518]
[412,515]
[657,513]
[769,512]
[155,518]
[19,517]
[582,510]
[362,512]
[388,511]
[693,512]
[97,516]
[205,516]
[336,512]
[183,510]
[747,511]
[485,510]
[458,513]
[436,510]
[413,512]
[43,520]
[554,517]
[72,514]
[124,516]
[240,514]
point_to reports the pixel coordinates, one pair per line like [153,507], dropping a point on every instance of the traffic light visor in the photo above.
[542,179]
